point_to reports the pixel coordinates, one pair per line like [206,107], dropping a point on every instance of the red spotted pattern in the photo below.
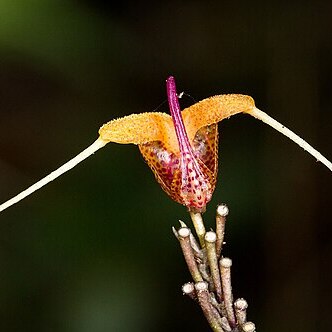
[188,177]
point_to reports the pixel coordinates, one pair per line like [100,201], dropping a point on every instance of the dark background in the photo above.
[94,250]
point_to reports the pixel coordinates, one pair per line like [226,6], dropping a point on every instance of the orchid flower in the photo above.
[181,149]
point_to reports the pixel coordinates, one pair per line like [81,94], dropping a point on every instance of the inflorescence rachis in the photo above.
[211,273]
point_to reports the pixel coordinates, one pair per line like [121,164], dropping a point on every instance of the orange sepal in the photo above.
[214,109]
[149,127]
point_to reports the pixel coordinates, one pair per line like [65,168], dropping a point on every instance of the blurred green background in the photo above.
[94,250]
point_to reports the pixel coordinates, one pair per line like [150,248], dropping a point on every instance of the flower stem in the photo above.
[225,271]
[184,239]
[198,223]
[222,212]
[210,243]
[204,301]
[249,327]
[241,306]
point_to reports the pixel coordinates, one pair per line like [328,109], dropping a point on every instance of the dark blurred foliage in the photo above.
[94,251]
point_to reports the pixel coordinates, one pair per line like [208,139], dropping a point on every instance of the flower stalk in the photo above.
[210,243]
[211,273]
[184,238]
[198,223]
[222,212]
[211,315]
[225,271]
[240,306]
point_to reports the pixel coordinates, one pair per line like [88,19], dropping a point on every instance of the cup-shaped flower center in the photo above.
[188,176]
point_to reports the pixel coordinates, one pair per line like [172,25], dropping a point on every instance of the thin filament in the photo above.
[260,115]
[99,143]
